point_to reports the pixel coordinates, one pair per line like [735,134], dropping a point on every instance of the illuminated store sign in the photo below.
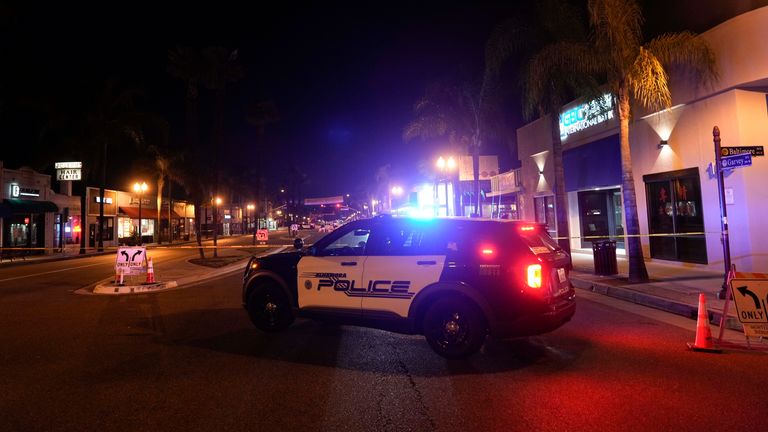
[583,116]
[68,171]
[18,191]
[107,200]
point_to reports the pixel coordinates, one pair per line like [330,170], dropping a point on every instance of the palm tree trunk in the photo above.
[637,270]
[476,173]
[198,222]
[170,208]
[160,184]
[561,201]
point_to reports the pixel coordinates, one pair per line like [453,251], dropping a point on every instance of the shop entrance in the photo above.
[674,215]
[601,217]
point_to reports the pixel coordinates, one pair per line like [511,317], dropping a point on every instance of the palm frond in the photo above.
[556,74]
[687,50]
[617,29]
[649,82]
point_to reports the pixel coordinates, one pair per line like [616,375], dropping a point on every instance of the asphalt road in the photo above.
[189,359]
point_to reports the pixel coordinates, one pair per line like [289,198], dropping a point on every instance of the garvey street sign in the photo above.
[752,150]
[749,294]
[736,161]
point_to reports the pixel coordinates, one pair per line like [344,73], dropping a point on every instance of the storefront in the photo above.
[504,195]
[27,212]
[672,151]
[110,215]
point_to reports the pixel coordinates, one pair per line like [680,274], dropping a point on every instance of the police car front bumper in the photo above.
[549,318]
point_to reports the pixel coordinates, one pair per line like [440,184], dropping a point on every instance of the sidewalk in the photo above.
[672,288]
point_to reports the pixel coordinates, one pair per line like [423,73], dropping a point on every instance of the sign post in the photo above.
[723,213]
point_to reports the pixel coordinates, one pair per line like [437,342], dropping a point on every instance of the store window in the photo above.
[545,213]
[109,229]
[601,217]
[675,217]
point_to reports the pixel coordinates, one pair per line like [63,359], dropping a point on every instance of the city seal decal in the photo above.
[308,284]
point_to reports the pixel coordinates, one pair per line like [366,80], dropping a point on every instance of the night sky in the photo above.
[344,76]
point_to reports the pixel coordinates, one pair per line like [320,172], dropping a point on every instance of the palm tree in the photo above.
[188,65]
[632,71]
[462,112]
[548,85]
[222,67]
[260,114]
[637,72]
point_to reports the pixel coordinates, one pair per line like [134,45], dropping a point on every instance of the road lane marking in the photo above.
[49,272]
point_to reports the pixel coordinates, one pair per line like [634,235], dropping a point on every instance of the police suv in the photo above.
[452,280]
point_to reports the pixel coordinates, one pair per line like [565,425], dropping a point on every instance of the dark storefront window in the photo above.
[601,217]
[25,231]
[545,213]
[674,207]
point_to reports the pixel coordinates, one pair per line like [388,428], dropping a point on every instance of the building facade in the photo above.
[33,218]
[678,198]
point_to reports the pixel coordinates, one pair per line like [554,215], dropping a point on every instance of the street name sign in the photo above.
[736,161]
[752,150]
[750,292]
[131,260]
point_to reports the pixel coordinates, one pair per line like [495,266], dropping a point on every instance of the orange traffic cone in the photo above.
[150,272]
[703,333]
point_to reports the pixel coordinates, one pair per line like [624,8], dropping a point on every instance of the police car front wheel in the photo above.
[454,327]
[269,308]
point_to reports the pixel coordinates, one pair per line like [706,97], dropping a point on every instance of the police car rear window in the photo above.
[539,241]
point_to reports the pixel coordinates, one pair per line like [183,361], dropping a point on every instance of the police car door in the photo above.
[404,259]
[331,278]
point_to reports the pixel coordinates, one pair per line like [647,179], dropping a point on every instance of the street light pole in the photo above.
[140,188]
[216,202]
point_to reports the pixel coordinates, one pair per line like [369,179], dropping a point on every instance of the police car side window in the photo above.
[409,239]
[352,243]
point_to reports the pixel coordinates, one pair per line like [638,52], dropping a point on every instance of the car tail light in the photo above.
[487,252]
[527,228]
[533,272]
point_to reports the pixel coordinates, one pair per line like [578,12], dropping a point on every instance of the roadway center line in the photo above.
[49,272]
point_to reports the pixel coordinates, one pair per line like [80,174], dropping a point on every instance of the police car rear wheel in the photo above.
[269,308]
[454,328]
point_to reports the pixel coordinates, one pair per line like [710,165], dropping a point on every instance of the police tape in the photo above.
[73,250]
[614,237]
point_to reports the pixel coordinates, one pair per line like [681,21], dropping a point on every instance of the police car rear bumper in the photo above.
[552,317]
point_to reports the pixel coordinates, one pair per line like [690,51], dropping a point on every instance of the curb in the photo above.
[111,288]
[108,287]
[664,304]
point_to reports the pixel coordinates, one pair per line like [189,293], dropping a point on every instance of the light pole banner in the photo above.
[489,167]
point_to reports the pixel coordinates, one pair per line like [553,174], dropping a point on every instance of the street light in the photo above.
[140,188]
[396,191]
[250,207]
[216,203]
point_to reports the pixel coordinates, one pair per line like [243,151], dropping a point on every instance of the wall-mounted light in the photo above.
[663,143]
[541,172]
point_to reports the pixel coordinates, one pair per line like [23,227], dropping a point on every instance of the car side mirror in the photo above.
[298,243]
[312,251]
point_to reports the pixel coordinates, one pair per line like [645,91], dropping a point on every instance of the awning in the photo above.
[133,212]
[19,206]
[148,213]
